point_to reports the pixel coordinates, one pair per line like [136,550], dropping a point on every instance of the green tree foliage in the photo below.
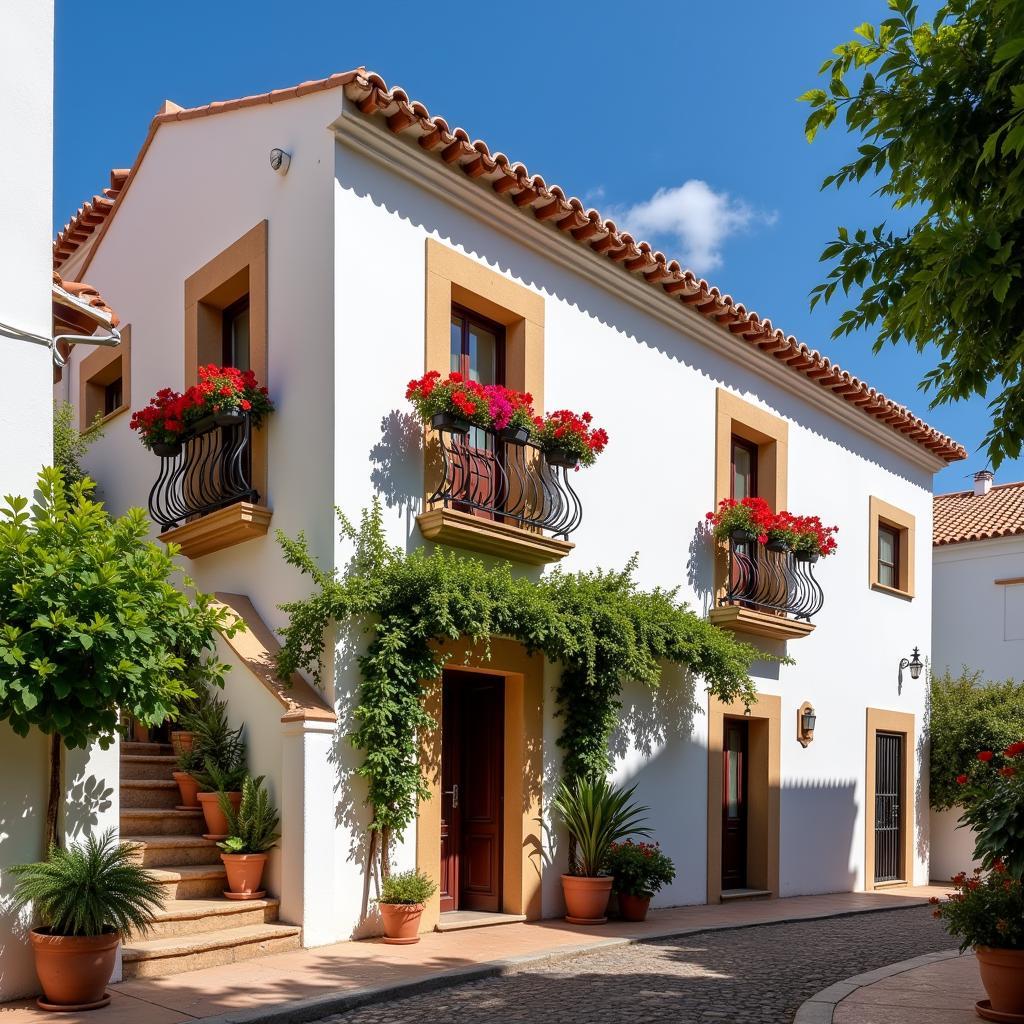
[968,716]
[939,110]
[598,626]
[90,623]
[69,444]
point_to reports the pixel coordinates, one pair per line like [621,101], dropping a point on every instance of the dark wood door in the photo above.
[472,782]
[734,804]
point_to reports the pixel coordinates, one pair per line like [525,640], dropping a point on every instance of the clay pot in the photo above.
[74,970]
[140,732]
[633,908]
[216,823]
[181,741]
[188,788]
[586,899]
[1002,974]
[245,872]
[401,922]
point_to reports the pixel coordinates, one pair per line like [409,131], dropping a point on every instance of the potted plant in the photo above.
[743,522]
[596,815]
[402,899]
[781,532]
[638,871]
[203,674]
[252,830]
[450,404]
[190,764]
[88,897]
[812,540]
[568,440]
[223,766]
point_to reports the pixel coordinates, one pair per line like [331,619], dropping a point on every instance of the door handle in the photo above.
[454,794]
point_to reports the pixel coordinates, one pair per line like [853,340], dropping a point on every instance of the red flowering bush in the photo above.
[639,869]
[484,405]
[751,515]
[566,431]
[986,909]
[992,796]
[802,534]
[220,390]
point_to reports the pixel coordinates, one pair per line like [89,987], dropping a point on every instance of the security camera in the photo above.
[279,160]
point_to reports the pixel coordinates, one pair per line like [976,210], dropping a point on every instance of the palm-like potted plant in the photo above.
[223,768]
[88,897]
[402,899]
[597,815]
[252,831]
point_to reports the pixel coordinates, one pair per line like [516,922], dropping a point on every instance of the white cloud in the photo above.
[694,218]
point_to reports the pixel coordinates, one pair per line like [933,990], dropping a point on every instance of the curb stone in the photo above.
[315,1008]
[820,1007]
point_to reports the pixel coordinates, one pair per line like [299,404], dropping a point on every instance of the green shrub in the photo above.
[219,752]
[70,445]
[967,716]
[639,869]
[408,887]
[984,911]
[254,828]
[90,889]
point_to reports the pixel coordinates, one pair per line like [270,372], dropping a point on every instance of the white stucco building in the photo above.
[978,611]
[384,246]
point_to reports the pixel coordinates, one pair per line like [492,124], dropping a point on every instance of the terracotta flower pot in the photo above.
[401,922]
[74,970]
[586,899]
[188,788]
[633,908]
[181,740]
[216,823]
[1002,974]
[245,872]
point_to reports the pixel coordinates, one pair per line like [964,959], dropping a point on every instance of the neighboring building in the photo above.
[390,245]
[978,611]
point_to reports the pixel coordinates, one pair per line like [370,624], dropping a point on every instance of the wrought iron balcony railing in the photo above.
[507,478]
[209,469]
[773,580]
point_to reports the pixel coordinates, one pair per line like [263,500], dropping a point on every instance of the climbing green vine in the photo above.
[598,626]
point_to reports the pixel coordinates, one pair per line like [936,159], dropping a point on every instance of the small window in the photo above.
[477,347]
[235,344]
[744,469]
[888,556]
[104,379]
[113,396]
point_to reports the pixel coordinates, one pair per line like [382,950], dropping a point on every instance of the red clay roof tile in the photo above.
[964,516]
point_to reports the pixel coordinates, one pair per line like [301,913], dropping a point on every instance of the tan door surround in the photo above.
[905,724]
[763,792]
[524,736]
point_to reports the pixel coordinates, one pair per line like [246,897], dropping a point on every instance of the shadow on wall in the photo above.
[653,718]
[397,461]
[818,838]
[700,566]
[87,798]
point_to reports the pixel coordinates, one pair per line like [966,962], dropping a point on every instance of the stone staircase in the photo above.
[198,926]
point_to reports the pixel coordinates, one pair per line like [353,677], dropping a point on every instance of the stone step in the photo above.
[192,917]
[149,793]
[148,766]
[153,958]
[149,821]
[192,881]
[132,747]
[171,851]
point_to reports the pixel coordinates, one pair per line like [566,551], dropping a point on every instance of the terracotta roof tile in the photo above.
[550,205]
[964,516]
[90,215]
[79,308]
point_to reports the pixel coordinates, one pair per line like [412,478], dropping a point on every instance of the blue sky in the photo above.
[685,126]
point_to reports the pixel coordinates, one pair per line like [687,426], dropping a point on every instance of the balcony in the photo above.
[204,498]
[769,592]
[499,494]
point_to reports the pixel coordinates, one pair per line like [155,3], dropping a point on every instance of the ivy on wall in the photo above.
[598,626]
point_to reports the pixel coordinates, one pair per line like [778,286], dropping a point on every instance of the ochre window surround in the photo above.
[764,773]
[903,524]
[902,723]
[98,370]
[455,280]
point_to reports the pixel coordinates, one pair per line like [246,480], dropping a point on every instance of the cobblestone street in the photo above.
[746,975]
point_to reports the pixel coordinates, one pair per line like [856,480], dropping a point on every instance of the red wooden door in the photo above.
[734,804]
[472,770]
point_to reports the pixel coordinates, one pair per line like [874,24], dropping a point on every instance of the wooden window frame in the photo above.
[882,515]
[96,372]
[228,315]
[753,450]
[471,317]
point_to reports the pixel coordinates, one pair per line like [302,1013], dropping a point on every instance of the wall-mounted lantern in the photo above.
[805,722]
[914,664]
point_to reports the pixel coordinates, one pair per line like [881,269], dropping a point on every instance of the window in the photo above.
[104,382]
[113,396]
[477,347]
[235,335]
[744,469]
[890,548]
[888,556]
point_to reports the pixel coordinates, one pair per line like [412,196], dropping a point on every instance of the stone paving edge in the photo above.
[315,1008]
[821,1006]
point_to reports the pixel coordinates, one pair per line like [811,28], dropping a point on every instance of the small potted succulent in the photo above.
[88,897]
[638,871]
[596,815]
[403,897]
[742,522]
[252,831]
[568,440]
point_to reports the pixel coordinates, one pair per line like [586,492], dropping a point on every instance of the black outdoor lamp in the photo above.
[806,719]
[914,664]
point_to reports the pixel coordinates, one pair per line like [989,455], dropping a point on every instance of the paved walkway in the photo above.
[311,984]
[940,988]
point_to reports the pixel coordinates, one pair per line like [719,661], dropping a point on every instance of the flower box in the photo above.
[453,424]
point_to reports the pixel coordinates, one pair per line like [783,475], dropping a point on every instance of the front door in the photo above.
[888,806]
[734,804]
[472,783]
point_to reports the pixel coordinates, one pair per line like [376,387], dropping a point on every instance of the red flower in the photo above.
[1007,771]
[961,780]
[1014,749]
[985,755]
